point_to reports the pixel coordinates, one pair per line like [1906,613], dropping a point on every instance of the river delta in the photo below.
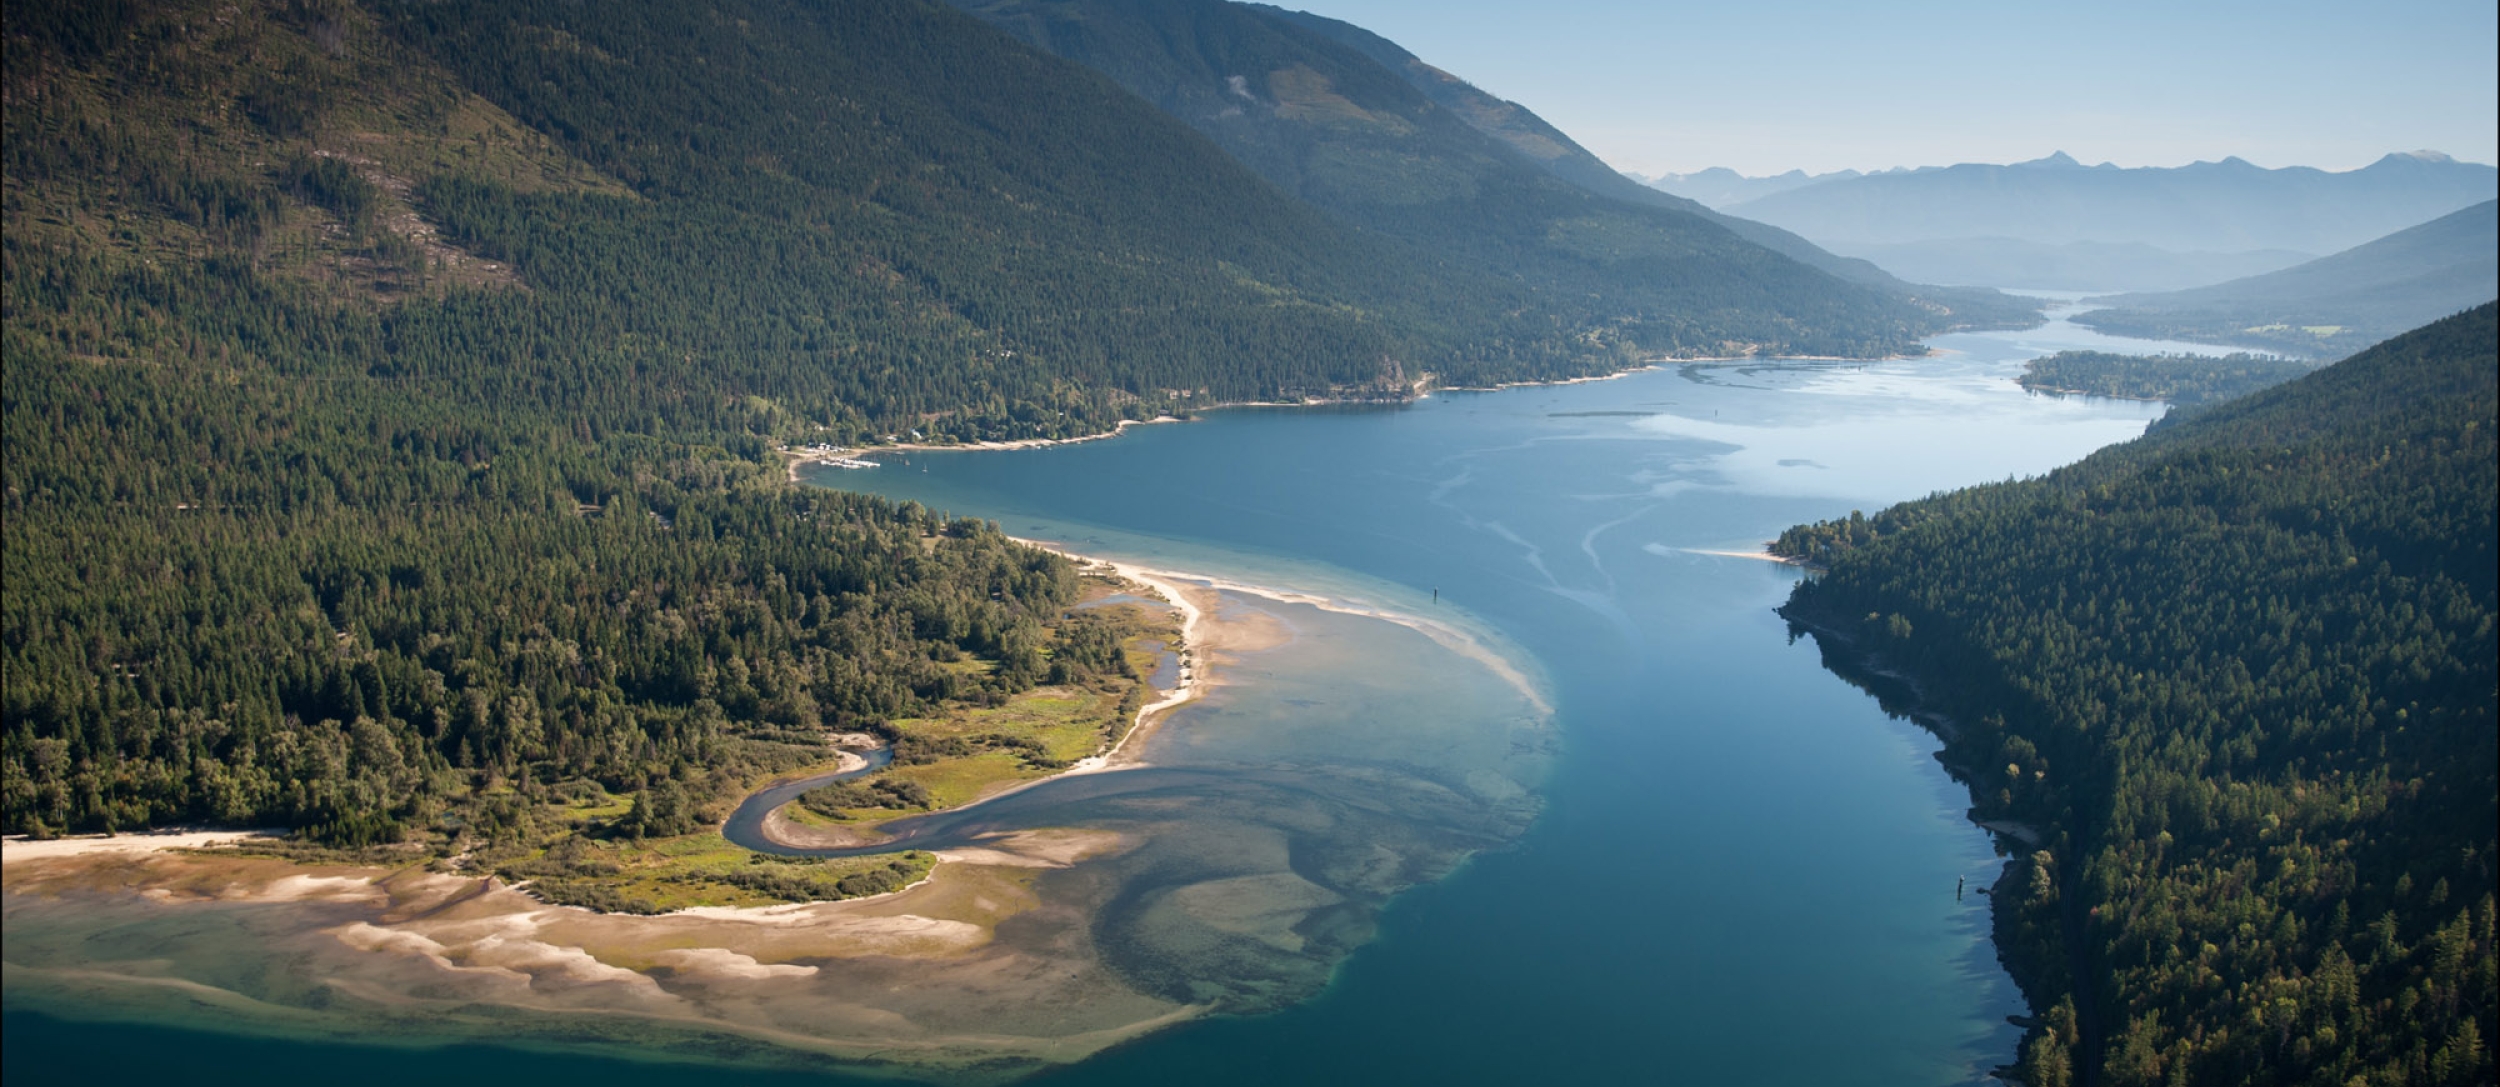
[1503,771]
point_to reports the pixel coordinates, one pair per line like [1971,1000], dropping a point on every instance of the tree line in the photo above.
[2240,675]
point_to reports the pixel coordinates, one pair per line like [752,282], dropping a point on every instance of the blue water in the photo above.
[1742,872]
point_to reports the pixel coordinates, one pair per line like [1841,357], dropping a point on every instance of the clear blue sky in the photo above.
[1769,86]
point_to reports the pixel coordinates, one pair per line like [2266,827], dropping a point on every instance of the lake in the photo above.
[1663,842]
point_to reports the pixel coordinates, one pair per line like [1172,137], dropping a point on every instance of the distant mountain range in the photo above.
[493,307]
[2227,206]
[2334,304]
[2055,223]
[1720,187]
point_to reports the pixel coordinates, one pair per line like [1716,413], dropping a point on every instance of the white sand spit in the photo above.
[18,847]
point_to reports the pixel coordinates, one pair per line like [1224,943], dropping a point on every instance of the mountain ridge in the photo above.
[2339,301]
[1329,122]
[1533,138]
[2226,206]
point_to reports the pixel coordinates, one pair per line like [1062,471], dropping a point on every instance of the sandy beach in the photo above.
[798,458]
[1758,556]
[1448,635]
[466,956]
[18,848]
[1198,628]
[1200,634]
[923,977]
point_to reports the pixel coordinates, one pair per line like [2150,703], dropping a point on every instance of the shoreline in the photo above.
[2052,390]
[1184,690]
[1421,390]
[2001,831]
[1763,555]
[1186,687]
[1197,670]
[1446,635]
[836,454]
[18,847]
[502,967]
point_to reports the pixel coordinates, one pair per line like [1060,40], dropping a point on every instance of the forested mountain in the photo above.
[1513,124]
[376,462]
[2238,680]
[2342,301]
[1355,137]
[1530,137]
[391,388]
[2227,206]
[391,395]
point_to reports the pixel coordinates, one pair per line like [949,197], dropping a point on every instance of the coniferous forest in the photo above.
[2185,381]
[392,389]
[2236,679]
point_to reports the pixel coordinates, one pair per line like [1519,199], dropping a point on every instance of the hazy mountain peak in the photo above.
[1720,187]
[2413,160]
[2056,160]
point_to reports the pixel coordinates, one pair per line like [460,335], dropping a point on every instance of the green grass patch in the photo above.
[660,875]
[952,782]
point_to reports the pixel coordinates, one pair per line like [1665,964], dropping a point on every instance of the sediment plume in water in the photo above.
[1340,759]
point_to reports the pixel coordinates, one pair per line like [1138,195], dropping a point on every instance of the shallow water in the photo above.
[1715,863]
[1232,874]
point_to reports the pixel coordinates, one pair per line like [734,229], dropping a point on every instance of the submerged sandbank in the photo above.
[1206,637]
[421,957]
[1228,866]
[1448,634]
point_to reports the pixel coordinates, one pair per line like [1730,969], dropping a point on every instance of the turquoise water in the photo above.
[1739,870]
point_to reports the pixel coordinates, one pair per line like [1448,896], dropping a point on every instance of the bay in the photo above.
[1739,870]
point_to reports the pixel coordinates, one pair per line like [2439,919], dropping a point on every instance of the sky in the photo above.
[1765,87]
